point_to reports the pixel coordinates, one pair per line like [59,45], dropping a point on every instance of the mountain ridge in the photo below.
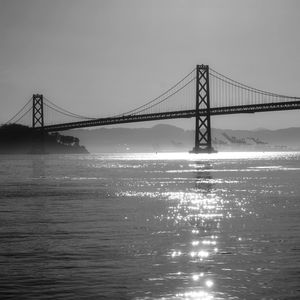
[164,137]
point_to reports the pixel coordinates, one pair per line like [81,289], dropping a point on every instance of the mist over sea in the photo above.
[150,226]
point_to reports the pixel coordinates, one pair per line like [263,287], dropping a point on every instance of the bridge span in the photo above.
[212,93]
[184,114]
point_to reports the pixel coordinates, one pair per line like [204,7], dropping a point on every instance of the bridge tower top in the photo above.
[37,111]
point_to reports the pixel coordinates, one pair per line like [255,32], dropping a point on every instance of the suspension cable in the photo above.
[63,113]
[26,112]
[167,96]
[249,88]
[18,112]
[161,95]
[68,112]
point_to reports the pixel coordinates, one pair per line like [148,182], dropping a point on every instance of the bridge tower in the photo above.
[38,137]
[203,142]
[37,111]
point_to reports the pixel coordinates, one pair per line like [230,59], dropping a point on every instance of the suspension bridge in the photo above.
[200,94]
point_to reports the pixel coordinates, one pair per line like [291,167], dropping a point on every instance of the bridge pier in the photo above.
[203,142]
[38,134]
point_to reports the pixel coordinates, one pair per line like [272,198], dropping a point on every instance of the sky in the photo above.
[102,57]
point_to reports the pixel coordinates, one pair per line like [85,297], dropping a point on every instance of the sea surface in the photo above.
[150,226]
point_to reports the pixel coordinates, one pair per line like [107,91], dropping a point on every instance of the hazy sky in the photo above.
[101,57]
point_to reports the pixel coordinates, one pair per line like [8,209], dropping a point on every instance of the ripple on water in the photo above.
[163,226]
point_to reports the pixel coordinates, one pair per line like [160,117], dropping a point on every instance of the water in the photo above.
[150,226]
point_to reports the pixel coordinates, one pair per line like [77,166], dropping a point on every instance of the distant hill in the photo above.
[171,138]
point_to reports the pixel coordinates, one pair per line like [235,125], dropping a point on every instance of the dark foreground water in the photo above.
[162,226]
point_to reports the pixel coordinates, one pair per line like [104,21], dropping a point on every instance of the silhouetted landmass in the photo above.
[19,139]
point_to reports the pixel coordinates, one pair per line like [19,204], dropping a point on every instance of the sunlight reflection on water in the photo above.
[200,209]
[193,157]
[151,226]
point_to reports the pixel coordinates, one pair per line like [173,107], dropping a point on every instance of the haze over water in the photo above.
[150,226]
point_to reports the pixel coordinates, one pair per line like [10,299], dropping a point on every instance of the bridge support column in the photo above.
[203,142]
[38,134]
[37,111]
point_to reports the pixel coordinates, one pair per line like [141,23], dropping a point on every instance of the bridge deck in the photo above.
[176,115]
